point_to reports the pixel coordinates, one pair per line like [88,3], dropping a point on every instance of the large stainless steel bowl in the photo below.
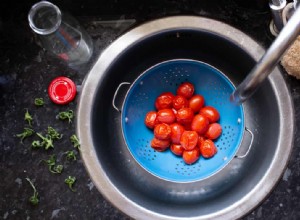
[229,194]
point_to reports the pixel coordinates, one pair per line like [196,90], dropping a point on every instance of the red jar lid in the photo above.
[62,90]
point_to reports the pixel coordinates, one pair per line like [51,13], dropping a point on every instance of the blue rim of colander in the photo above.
[124,120]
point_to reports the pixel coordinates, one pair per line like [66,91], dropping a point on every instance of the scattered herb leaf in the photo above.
[53,168]
[34,198]
[47,141]
[70,182]
[36,144]
[27,132]
[39,101]
[54,134]
[70,155]
[66,115]
[28,118]
[75,141]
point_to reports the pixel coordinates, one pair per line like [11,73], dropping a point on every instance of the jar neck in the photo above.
[44,18]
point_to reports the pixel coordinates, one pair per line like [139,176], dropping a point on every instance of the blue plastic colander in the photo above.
[166,76]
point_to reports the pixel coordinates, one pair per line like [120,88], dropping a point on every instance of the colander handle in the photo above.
[250,145]
[116,93]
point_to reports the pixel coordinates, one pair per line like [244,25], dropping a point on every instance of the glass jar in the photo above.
[60,33]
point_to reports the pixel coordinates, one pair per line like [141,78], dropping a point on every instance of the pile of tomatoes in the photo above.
[184,124]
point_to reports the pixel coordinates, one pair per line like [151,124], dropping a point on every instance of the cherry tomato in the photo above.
[211,113]
[159,145]
[164,100]
[196,103]
[162,131]
[200,140]
[189,140]
[191,156]
[177,149]
[179,102]
[186,89]
[151,119]
[185,115]
[176,132]
[214,131]
[166,116]
[200,124]
[208,148]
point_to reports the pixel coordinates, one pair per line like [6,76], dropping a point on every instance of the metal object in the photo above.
[213,85]
[269,60]
[277,7]
[237,188]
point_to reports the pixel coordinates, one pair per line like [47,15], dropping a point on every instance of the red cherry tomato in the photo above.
[151,119]
[185,115]
[162,131]
[191,156]
[179,102]
[166,116]
[160,145]
[176,132]
[196,103]
[200,124]
[208,148]
[186,89]
[214,131]
[189,140]
[200,140]
[177,149]
[211,113]
[164,100]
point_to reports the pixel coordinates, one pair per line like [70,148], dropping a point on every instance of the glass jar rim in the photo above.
[33,11]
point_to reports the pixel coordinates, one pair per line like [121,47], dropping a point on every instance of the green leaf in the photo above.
[70,182]
[66,115]
[75,141]
[28,118]
[70,155]
[34,198]
[46,141]
[27,132]
[54,135]
[39,101]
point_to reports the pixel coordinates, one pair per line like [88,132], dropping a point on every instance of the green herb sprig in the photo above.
[53,168]
[39,101]
[70,155]
[34,198]
[47,141]
[28,118]
[66,115]
[70,182]
[75,141]
[54,134]
[27,132]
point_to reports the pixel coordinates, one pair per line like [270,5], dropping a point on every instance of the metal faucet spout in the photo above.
[268,61]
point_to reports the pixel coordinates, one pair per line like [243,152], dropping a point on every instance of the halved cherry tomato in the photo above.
[186,89]
[200,124]
[160,145]
[214,131]
[166,116]
[162,131]
[189,140]
[211,113]
[164,100]
[151,119]
[179,102]
[185,115]
[177,149]
[191,156]
[208,148]
[196,102]
[176,132]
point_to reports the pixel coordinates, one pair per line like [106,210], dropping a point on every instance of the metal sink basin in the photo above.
[229,194]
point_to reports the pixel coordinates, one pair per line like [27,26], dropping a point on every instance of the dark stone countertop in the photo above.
[26,71]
